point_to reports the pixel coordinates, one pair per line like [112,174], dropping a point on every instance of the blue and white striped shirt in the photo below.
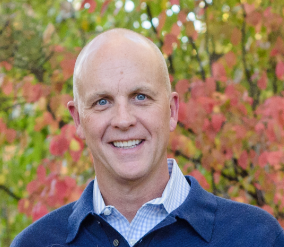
[151,213]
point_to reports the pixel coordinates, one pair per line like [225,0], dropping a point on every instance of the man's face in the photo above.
[125,114]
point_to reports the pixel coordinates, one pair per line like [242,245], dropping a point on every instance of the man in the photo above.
[124,108]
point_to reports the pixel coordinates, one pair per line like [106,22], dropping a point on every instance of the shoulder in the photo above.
[246,220]
[230,220]
[50,228]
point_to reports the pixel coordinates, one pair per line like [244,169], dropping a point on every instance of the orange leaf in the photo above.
[6,65]
[230,58]
[67,66]
[162,21]
[236,36]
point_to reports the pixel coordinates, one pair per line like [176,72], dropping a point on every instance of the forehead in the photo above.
[114,68]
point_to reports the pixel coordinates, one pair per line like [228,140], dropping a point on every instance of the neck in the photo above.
[129,196]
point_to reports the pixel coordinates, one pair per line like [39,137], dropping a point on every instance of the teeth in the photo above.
[127,144]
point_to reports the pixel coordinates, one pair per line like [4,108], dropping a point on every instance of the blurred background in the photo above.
[225,59]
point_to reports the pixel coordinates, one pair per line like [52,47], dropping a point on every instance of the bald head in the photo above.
[116,44]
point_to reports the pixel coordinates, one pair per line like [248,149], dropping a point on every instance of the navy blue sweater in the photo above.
[202,220]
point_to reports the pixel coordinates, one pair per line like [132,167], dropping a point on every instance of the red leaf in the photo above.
[41,173]
[39,210]
[182,16]
[104,6]
[268,209]
[169,40]
[10,135]
[92,3]
[3,126]
[32,186]
[243,160]
[249,8]
[217,121]
[7,87]
[32,93]
[58,145]
[182,116]
[210,86]
[262,159]
[254,18]
[219,72]
[280,70]
[68,131]
[200,178]
[274,158]
[6,65]
[174,2]
[175,30]
[262,82]
[61,189]
[182,86]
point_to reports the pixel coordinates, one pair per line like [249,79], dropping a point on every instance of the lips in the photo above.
[127,144]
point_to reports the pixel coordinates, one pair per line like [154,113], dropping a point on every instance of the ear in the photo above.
[174,105]
[76,117]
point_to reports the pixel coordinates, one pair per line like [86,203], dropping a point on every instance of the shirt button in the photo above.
[115,242]
[132,242]
[107,212]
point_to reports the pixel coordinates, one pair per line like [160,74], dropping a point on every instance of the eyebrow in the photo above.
[138,89]
[143,89]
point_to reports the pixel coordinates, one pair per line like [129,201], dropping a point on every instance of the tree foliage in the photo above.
[225,58]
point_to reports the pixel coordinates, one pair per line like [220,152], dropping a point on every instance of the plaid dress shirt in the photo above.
[151,213]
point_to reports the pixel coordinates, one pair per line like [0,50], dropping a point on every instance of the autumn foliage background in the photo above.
[225,58]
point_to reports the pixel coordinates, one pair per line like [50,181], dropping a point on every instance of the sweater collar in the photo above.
[198,210]
[81,209]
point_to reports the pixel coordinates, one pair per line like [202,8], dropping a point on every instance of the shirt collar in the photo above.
[173,195]
[198,210]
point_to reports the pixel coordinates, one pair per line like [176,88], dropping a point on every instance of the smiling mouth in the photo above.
[127,144]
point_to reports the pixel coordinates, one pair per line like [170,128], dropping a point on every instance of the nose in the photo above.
[123,117]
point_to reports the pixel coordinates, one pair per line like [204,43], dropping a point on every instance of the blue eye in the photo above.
[141,97]
[102,102]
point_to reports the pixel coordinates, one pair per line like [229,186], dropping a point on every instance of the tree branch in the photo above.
[9,192]
[170,58]
[253,91]
[198,58]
